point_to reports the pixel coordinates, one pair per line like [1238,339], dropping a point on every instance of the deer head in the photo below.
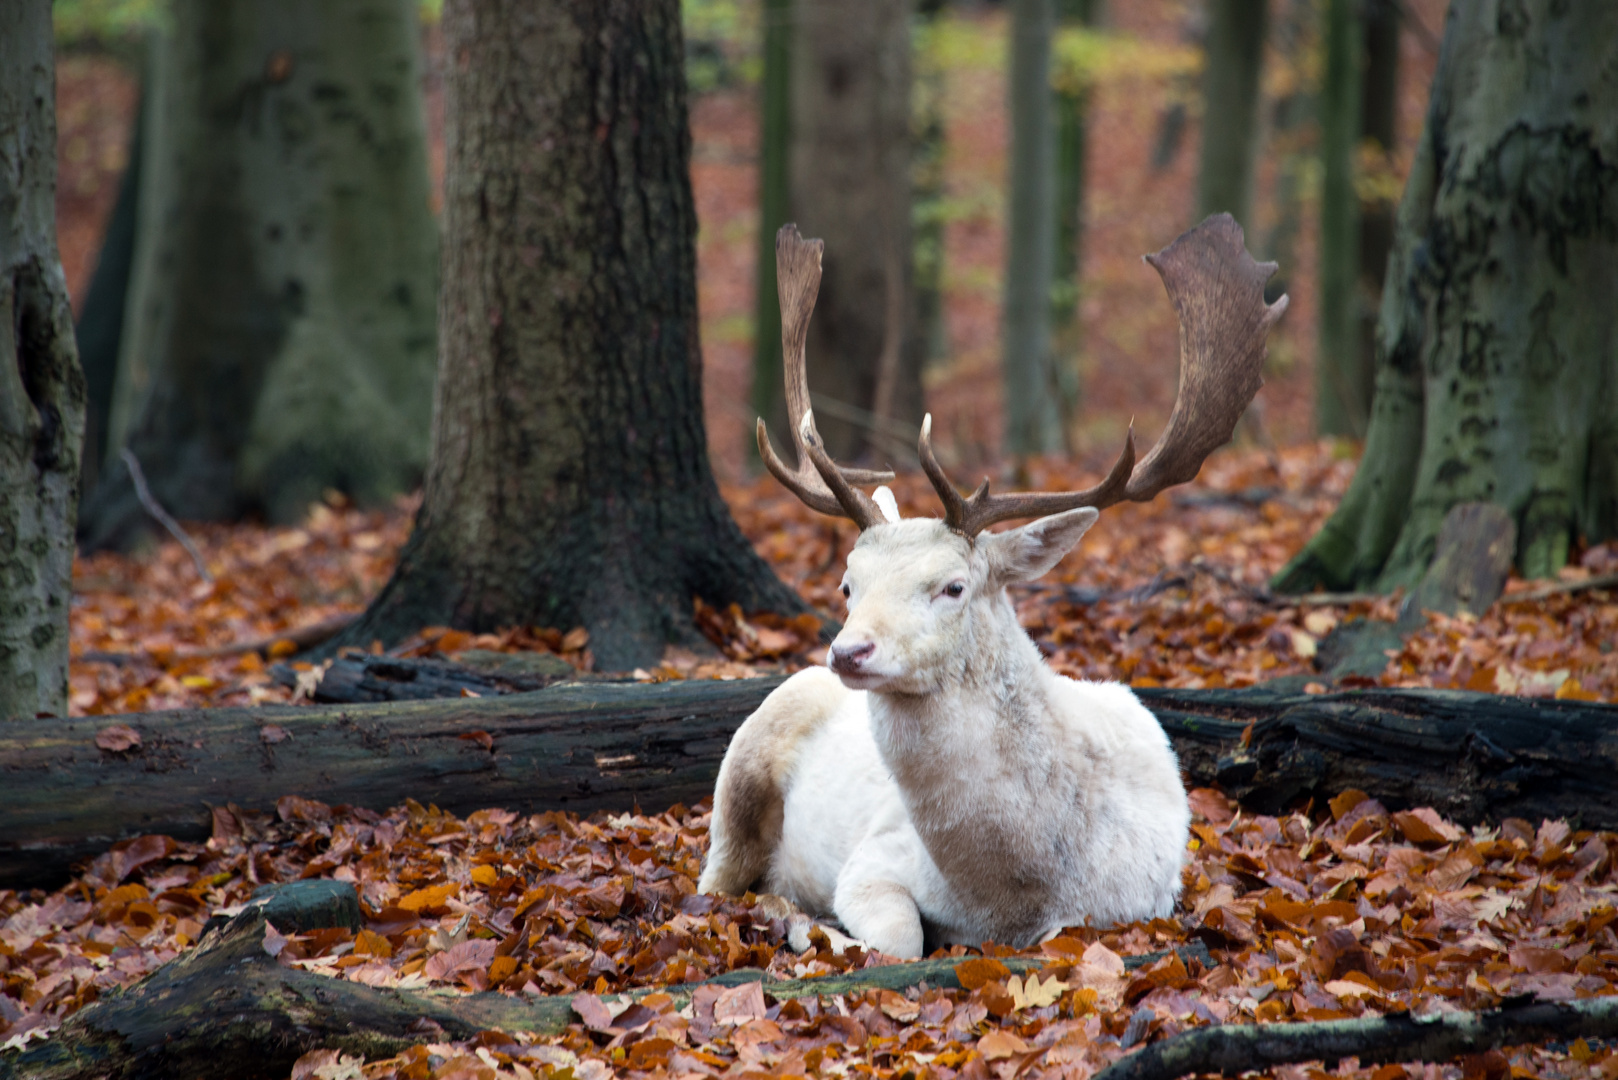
[927,596]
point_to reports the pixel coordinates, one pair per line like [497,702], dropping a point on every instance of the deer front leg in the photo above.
[873,902]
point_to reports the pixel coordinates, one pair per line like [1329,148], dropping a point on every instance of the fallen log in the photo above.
[1235,1049]
[230,1001]
[594,746]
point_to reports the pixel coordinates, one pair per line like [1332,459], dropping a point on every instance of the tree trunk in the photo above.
[1379,131]
[1033,415]
[101,322]
[930,211]
[850,179]
[1232,90]
[1072,102]
[1474,757]
[41,385]
[278,337]
[774,144]
[1342,379]
[1497,376]
[569,482]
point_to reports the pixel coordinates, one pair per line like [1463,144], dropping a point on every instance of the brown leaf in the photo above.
[739,1004]
[1424,828]
[593,1011]
[117,738]
[270,734]
[980,971]
[1000,1044]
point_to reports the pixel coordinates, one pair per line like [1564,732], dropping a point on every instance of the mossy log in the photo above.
[586,747]
[229,1009]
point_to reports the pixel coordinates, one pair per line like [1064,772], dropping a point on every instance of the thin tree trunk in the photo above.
[775,118]
[1232,86]
[929,211]
[1497,349]
[1072,152]
[569,481]
[41,385]
[1342,379]
[278,337]
[1379,130]
[850,178]
[1033,418]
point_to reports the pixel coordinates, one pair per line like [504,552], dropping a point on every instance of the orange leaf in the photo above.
[1000,1044]
[1424,828]
[431,897]
[117,738]
[980,971]
[1345,802]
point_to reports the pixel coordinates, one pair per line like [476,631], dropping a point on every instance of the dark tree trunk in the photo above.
[850,179]
[1497,377]
[569,482]
[101,322]
[1379,131]
[1474,757]
[1032,399]
[1072,101]
[774,145]
[1342,379]
[1232,89]
[41,385]
[278,330]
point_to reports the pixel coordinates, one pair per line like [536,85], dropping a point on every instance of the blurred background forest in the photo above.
[1142,66]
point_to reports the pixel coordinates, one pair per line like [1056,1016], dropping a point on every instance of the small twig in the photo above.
[1601,581]
[154,508]
[1238,1048]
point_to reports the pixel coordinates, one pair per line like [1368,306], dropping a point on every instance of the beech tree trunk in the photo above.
[774,146]
[1342,379]
[1232,90]
[41,385]
[569,482]
[1072,103]
[850,181]
[278,329]
[1497,350]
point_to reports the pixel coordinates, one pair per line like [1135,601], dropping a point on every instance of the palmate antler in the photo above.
[1218,293]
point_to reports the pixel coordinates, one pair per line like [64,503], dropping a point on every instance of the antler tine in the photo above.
[1218,293]
[818,481]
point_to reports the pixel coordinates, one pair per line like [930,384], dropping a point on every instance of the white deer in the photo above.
[940,783]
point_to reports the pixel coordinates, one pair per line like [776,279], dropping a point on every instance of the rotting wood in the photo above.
[1232,1049]
[586,747]
[228,1000]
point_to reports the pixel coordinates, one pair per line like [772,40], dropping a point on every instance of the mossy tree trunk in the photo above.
[1232,91]
[850,186]
[1072,103]
[278,335]
[41,385]
[1497,349]
[1342,375]
[569,481]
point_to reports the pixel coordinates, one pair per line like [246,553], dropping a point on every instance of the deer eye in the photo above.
[845,591]
[955,588]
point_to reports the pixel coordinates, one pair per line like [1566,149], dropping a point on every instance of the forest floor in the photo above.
[1336,910]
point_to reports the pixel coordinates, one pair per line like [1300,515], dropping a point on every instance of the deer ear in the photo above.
[1029,552]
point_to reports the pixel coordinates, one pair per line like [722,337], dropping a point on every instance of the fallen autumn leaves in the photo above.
[1358,913]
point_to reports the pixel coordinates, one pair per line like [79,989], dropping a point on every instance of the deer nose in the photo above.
[848,659]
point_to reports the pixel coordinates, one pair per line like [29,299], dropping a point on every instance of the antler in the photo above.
[1218,294]
[819,481]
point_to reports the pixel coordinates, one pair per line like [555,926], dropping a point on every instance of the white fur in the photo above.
[953,779]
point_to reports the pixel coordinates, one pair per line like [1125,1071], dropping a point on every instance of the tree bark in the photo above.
[774,192]
[1474,757]
[1032,405]
[1072,103]
[41,384]
[1232,90]
[850,180]
[1342,378]
[227,1000]
[569,483]
[1497,353]
[278,336]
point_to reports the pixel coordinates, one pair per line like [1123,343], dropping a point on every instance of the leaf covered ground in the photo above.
[1333,911]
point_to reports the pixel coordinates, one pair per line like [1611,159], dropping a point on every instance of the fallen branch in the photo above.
[228,1000]
[155,508]
[604,746]
[1600,581]
[1234,1049]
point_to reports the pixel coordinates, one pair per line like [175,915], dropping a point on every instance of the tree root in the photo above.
[1234,1049]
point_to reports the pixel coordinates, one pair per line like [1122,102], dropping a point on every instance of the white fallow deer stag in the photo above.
[940,783]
